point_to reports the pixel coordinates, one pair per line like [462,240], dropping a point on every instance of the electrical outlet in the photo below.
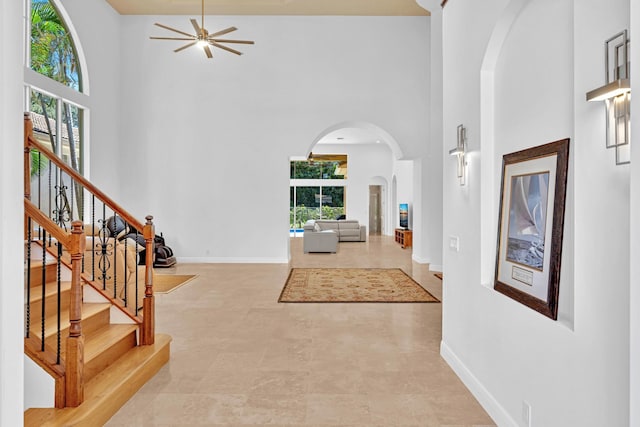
[526,413]
[454,243]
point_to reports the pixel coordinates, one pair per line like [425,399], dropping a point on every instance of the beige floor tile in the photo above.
[240,358]
[338,409]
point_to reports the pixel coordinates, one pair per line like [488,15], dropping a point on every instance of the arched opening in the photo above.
[373,159]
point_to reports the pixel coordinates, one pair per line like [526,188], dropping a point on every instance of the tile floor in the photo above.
[240,358]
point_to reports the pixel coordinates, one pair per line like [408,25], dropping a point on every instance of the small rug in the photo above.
[438,275]
[352,285]
[165,283]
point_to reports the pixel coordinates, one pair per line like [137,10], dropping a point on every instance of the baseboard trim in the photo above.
[419,260]
[231,260]
[486,399]
[436,268]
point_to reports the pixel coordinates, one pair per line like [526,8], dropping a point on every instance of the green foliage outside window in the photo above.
[52,51]
[303,214]
[53,54]
[314,170]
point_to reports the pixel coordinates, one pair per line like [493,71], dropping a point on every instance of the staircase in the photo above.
[89,304]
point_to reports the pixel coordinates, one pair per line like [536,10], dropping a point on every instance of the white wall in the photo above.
[232,123]
[39,386]
[403,170]
[574,371]
[11,226]
[634,253]
[427,247]
[97,27]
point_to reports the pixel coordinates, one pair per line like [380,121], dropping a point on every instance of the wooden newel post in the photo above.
[75,342]
[148,304]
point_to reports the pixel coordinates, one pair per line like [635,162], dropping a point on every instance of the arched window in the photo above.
[54,82]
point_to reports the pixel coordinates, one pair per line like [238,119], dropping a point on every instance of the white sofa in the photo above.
[318,234]
[320,241]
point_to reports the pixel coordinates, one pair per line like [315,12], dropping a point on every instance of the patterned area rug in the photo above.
[352,285]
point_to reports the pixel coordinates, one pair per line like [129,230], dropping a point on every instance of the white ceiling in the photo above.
[270,7]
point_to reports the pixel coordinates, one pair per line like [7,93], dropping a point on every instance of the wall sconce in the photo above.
[616,94]
[459,152]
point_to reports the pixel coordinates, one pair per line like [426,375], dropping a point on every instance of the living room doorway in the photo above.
[375,209]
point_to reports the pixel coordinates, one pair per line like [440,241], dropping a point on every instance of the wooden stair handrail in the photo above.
[30,141]
[47,223]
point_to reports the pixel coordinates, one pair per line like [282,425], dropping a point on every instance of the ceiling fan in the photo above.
[203,38]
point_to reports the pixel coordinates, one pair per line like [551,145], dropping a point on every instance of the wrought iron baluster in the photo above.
[71,203]
[136,272]
[44,283]
[49,206]
[103,249]
[28,309]
[115,254]
[62,211]
[59,282]
[124,274]
[93,237]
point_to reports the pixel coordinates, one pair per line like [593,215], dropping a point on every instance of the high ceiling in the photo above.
[347,135]
[270,7]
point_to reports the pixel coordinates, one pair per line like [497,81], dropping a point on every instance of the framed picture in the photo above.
[530,225]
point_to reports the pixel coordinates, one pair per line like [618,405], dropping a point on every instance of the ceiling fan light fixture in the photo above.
[202,38]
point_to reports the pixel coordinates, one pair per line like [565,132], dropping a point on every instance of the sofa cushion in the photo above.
[350,232]
[349,225]
[316,227]
[328,225]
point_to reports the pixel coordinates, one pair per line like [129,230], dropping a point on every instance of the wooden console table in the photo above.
[404,237]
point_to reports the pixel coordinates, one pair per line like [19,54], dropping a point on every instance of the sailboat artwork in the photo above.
[527,219]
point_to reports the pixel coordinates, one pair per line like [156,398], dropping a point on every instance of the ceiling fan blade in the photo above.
[208,52]
[225,31]
[231,41]
[185,46]
[218,45]
[171,38]
[173,29]
[195,26]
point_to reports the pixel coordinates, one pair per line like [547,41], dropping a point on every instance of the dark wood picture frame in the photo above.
[531,225]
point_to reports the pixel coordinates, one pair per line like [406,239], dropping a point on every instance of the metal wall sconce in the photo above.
[616,94]
[459,152]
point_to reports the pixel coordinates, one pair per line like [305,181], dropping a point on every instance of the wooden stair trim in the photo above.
[36,291]
[107,345]
[101,339]
[46,360]
[51,323]
[51,270]
[109,390]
